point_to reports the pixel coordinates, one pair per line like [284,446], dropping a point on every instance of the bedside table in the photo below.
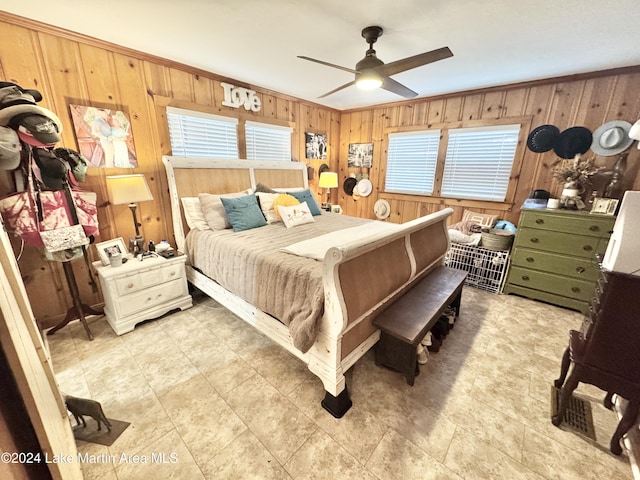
[142,290]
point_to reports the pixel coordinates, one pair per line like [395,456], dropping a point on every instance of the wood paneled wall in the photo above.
[586,100]
[73,69]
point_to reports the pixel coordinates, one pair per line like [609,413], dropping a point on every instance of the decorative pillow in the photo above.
[265,200]
[295,215]
[261,187]
[213,210]
[483,219]
[284,200]
[243,212]
[307,196]
[193,214]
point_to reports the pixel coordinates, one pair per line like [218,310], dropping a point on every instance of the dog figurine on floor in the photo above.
[85,406]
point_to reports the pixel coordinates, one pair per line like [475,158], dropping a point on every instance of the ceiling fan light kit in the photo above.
[371,72]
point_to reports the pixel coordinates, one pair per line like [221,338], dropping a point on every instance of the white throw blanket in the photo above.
[317,247]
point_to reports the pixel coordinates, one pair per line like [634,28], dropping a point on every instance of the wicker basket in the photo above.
[496,239]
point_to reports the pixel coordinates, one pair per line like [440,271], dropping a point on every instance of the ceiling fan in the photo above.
[371,72]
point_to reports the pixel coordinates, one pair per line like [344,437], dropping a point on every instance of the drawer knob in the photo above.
[580,269]
[575,289]
[173,274]
[587,248]
[534,240]
[530,259]
[594,228]
[539,221]
[130,285]
[525,277]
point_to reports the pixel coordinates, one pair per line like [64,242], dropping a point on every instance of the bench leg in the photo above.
[337,406]
[398,355]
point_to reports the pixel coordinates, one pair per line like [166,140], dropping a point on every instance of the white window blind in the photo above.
[197,134]
[411,162]
[478,162]
[268,142]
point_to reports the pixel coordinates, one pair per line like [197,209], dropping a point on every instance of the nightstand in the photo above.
[142,290]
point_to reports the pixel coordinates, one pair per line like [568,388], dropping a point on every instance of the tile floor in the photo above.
[224,402]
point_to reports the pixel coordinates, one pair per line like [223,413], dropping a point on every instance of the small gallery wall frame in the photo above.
[108,248]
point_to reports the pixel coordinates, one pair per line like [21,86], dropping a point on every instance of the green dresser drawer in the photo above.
[580,224]
[559,242]
[551,283]
[581,268]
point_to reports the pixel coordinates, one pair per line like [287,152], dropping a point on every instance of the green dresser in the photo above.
[553,256]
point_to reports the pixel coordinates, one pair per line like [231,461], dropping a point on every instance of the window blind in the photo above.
[268,142]
[197,134]
[478,162]
[411,162]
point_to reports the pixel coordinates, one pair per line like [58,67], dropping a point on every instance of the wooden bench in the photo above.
[405,322]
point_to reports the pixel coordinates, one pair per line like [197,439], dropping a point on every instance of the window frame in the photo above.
[525,126]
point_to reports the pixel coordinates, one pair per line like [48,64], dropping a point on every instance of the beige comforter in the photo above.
[250,265]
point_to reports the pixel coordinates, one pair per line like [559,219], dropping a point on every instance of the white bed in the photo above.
[395,257]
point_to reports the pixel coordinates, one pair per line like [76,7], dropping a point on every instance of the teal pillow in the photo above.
[307,196]
[243,213]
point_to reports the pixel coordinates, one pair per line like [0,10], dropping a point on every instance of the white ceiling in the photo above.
[494,42]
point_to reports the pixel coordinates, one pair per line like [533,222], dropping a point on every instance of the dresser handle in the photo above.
[575,289]
[172,274]
[587,248]
[130,285]
[539,221]
[530,259]
[534,240]
[580,269]
[525,277]
[594,228]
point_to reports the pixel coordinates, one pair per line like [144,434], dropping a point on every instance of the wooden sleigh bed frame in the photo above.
[396,260]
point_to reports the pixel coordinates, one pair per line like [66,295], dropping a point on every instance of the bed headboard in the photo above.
[187,177]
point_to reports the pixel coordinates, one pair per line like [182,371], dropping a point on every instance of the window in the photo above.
[478,162]
[268,142]
[411,162]
[197,134]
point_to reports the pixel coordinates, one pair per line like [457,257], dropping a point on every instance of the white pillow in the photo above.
[295,215]
[193,214]
[213,210]
[266,205]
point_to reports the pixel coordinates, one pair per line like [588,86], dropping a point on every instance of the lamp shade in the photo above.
[128,189]
[328,180]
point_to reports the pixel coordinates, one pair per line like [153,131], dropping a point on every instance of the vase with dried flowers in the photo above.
[575,175]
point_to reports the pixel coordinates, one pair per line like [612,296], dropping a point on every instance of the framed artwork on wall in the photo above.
[104,136]
[316,145]
[360,155]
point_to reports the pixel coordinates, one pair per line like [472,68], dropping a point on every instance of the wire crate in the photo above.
[486,268]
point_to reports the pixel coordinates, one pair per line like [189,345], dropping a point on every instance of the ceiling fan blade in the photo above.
[339,88]
[415,61]
[327,64]
[391,85]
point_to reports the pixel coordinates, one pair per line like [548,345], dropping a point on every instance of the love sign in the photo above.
[239,96]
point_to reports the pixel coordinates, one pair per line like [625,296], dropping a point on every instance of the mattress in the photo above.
[251,266]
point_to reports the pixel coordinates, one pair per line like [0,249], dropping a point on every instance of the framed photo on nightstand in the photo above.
[604,205]
[106,249]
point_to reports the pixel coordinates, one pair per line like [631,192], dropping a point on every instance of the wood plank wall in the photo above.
[72,69]
[583,100]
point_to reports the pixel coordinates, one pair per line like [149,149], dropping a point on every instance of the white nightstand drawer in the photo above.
[152,297]
[128,284]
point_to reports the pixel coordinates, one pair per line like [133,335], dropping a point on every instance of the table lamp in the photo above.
[130,189]
[328,180]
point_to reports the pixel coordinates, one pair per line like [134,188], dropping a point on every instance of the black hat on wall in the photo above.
[543,138]
[573,141]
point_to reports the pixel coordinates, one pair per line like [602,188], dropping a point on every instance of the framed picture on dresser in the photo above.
[605,206]
[108,248]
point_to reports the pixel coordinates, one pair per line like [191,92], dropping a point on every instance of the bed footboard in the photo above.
[360,280]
